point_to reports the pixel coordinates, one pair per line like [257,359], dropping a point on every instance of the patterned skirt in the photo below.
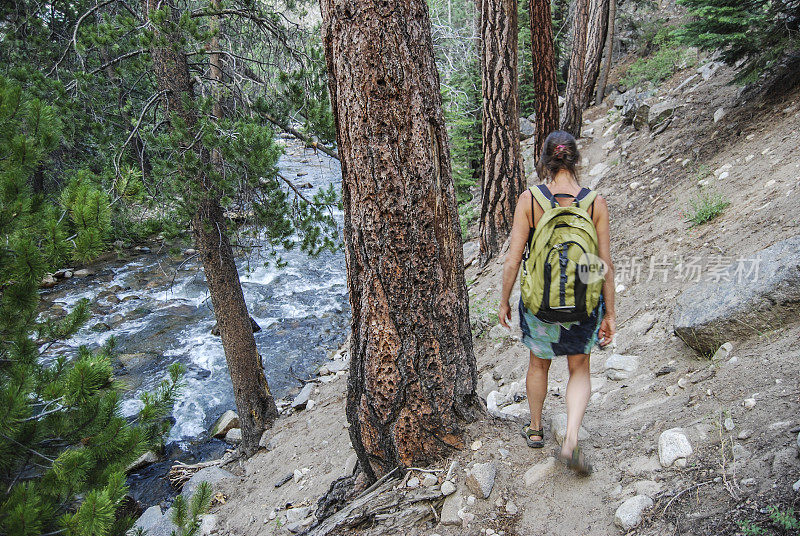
[549,339]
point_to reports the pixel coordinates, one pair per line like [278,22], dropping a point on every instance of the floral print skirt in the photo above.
[549,339]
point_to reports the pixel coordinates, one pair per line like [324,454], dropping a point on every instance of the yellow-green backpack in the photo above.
[562,275]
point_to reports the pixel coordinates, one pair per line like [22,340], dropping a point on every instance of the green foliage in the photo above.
[467,215]
[758,31]
[667,59]
[63,445]
[784,519]
[186,516]
[705,207]
[89,214]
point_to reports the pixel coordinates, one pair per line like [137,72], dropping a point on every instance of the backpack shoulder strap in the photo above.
[585,198]
[543,196]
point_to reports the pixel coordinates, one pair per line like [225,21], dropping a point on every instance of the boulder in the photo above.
[480,479]
[620,367]
[558,426]
[148,519]
[233,436]
[226,421]
[142,461]
[629,513]
[641,117]
[48,281]
[526,129]
[661,112]
[751,296]
[673,447]
[213,475]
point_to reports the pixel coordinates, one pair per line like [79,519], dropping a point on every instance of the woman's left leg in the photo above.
[579,389]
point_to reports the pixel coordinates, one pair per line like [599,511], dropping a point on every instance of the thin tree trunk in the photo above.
[544,72]
[412,371]
[573,94]
[609,49]
[255,404]
[595,40]
[503,175]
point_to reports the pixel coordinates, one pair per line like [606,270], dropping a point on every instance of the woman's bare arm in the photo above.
[519,236]
[608,326]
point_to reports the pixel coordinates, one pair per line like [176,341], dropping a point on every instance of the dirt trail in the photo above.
[736,471]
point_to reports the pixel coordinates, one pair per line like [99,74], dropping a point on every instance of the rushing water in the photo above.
[164,315]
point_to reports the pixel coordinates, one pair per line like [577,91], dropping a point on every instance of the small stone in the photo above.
[728,424]
[683,383]
[448,488]
[471,500]
[293,515]
[83,272]
[429,480]
[297,475]
[413,482]
[673,446]
[310,404]
[145,459]
[748,482]
[511,508]
[745,434]
[719,114]
[302,397]
[558,426]
[740,453]
[480,479]
[620,367]
[796,486]
[749,403]
[723,352]
[324,371]
[629,514]
[476,445]
[539,471]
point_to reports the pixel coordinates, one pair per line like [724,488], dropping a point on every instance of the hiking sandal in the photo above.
[577,462]
[527,432]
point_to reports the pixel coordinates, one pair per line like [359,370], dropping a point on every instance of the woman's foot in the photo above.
[574,459]
[534,438]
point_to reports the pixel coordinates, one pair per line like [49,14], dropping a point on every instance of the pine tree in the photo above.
[63,445]
[760,31]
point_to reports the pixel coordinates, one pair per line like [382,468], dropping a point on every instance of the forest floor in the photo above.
[736,470]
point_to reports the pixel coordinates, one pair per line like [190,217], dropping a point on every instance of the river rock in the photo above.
[558,426]
[213,475]
[83,272]
[448,488]
[226,421]
[429,480]
[673,447]
[148,519]
[629,513]
[740,305]
[660,112]
[480,479]
[526,129]
[233,436]
[134,361]
[302,397]
[620,367]
[142,461]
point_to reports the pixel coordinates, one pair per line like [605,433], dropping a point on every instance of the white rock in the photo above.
[297,475]
[429,480]
[448,488]
[450,510]
[413,482]
[599,169]
[520,411]
[629,513]
[226,421]
[480,479]
[728,424]
[620,288]
[293,515]
[539,471]
[310,404]
[511,508]
[749,403]
[620,367]
[302,397]
[634,185]
[471,500]
[719,114]
[476,445]
[208,524]
[723,352]
[724,175]
[452,471]
[673,446]
[499,332]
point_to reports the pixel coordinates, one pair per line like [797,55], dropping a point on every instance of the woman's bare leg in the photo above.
[579,389]
[536,387]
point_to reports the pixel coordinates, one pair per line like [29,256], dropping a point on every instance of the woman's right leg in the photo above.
[536,387]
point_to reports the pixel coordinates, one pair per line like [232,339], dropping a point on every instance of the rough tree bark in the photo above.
[573,94]
[544,72]
[503,176]
[595,40]
[254,402]
[609,49]
[412,371]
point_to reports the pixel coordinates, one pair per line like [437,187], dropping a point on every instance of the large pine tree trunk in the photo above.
[609,49]
[595,40]
[503,175]
[573,94]
[255,404]
[412,371]
[544,72]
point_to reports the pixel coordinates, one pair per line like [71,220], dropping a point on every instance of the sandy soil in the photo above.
[625,418]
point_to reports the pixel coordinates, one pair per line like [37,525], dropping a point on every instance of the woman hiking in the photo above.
[558,315]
